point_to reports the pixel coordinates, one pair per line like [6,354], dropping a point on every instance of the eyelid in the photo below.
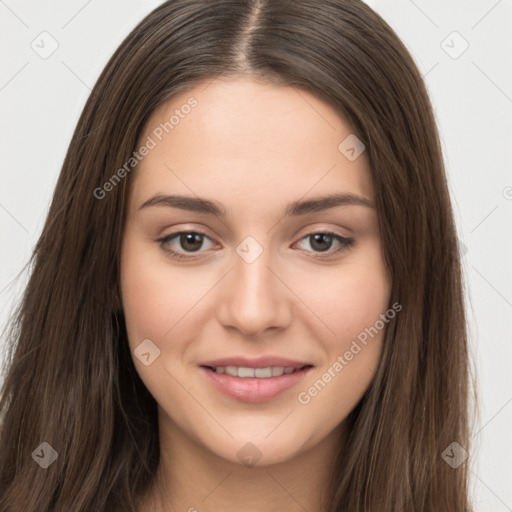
[171,236]
[346,243]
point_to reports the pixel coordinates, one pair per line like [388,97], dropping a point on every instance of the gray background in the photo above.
[41,99]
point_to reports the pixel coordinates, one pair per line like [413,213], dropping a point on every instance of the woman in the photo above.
[247,293]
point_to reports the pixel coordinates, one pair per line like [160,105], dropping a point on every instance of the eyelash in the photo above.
[346,243]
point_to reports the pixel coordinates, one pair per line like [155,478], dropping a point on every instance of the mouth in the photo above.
[254,383]
[268,372]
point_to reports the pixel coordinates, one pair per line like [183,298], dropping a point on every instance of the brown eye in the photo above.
[191,241]
[183,242]
[322,241]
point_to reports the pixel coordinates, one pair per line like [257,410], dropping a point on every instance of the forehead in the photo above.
[227,137]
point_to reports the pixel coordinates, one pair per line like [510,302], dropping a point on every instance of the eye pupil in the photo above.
[320,238]
[191,241]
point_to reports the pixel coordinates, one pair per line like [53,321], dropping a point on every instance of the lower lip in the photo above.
[253,389]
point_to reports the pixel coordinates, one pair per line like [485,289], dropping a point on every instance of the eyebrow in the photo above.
[293,209]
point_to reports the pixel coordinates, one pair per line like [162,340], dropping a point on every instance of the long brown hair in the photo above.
[69,378]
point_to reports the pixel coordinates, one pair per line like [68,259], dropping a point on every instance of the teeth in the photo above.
[245,372]
[231,370]
[261,373]
[277,371]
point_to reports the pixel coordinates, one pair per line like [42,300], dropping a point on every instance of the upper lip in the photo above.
[259,362]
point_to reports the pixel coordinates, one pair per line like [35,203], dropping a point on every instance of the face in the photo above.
[256,319]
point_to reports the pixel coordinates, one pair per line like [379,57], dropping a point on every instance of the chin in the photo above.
[251,452]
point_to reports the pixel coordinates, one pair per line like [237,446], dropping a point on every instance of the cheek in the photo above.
[347,299]
[142,299]
[154,299]
[355,303]
[363,295]
[157,303]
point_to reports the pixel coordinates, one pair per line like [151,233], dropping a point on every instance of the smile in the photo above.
[254,384]
[261,373]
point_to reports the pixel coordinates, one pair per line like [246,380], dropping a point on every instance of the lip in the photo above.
[259,362]
[254,389]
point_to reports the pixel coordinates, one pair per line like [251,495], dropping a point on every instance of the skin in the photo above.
[253,147]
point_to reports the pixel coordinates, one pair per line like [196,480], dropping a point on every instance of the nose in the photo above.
[253,297]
